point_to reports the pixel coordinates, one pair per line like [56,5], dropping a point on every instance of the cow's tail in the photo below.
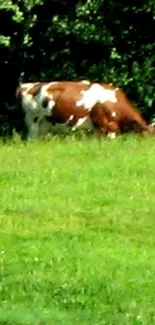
[19,87]
[18,93]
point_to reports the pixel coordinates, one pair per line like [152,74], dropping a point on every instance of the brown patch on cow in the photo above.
[65,95]
[34,91]
[103,119]
[64,85]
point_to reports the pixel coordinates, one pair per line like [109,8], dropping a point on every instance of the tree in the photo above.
[63,39]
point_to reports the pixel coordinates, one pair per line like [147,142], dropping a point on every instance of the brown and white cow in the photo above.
[98,105]
[78,104]
[70,103]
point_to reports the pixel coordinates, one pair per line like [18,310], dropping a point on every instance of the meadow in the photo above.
[77,231]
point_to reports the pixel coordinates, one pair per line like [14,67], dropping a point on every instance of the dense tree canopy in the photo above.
[102,40]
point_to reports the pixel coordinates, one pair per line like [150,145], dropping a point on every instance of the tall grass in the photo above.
[77,222]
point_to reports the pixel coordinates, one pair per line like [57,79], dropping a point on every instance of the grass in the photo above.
[77,223]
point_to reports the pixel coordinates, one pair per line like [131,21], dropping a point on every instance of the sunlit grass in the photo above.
[77,220]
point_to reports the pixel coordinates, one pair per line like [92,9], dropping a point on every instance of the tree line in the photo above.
[100,40]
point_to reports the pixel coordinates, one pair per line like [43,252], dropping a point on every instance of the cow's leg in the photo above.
[84,123]
[111,135]
[45,127]
[80,122]
[112,130]
[33,131]
[106,127]
[32,125]
[71,120]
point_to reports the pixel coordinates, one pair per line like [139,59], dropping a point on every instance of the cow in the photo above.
[70,103]
[78,104]
[32,98]
[92,105]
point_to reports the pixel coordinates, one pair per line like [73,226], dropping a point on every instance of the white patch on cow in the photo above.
[117,88]
[152,123]
[29,102]
[44,91]
[113,114]
[53,83]
[32,127]
[51,104]
[86,82]
[32,108]
[50,96]
[111,135]
[48,109]
[28,86]
[84,123]
[70,118]
[96,94]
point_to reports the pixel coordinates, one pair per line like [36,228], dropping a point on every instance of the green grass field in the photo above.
[77,223]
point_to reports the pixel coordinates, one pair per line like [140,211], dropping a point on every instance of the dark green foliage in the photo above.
[61,39]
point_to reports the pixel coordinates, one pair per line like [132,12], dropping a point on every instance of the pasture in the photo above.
[77,223]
